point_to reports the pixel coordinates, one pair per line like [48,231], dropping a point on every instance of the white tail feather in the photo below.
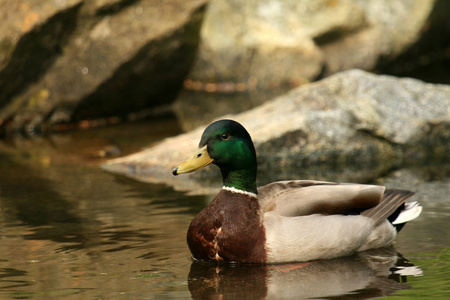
[412,210]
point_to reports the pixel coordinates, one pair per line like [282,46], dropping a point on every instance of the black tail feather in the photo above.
[390,206]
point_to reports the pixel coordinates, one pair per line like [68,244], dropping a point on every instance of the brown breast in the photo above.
[228,229]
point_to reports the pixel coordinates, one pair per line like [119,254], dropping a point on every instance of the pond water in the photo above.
[69,229]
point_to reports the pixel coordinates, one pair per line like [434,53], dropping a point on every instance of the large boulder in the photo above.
[277,42]
[72,60]
[259,45]
[352,126]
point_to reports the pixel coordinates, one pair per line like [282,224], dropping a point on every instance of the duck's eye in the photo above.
[225,136]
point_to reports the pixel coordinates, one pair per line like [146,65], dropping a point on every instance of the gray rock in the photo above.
[279,42]
[270,42]
[263,45]
[352,126]
[392,27]
[75,60]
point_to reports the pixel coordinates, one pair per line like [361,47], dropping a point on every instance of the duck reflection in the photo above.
[365,275]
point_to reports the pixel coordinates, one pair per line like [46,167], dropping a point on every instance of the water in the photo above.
[70,230]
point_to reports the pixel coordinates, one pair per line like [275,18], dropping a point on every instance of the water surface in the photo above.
[69,229]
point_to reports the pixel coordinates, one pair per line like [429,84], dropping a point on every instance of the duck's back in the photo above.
[308,220]
[306,197]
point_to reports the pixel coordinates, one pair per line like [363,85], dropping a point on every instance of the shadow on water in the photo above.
[70,229]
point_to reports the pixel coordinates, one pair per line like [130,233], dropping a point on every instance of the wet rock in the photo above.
[352,126]
[72,60]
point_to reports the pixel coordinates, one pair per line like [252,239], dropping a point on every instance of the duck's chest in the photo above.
[229,229]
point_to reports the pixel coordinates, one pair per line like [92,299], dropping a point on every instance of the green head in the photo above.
[228,145]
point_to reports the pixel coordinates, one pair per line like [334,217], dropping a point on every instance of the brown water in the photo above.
[70,230]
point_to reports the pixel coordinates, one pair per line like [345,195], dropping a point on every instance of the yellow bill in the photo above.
[199,160]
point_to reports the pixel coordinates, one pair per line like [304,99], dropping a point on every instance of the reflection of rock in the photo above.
[52,190]
[374,273]
[358,123]
[71,60]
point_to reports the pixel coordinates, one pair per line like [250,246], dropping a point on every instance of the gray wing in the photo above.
[306,197]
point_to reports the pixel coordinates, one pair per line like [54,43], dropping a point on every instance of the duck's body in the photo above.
[285,221]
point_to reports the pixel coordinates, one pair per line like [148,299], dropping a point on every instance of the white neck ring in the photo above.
[235,190]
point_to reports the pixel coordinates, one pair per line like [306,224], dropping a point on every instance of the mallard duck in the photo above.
[286,221]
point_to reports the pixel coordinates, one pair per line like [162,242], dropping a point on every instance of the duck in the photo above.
[285,221]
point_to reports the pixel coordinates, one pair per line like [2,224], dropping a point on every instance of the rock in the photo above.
[352,126]
[32,35]
[278,42]
[392,27]
[268,42]
[193,109]
[428,58]
[66,61]
[262,45]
